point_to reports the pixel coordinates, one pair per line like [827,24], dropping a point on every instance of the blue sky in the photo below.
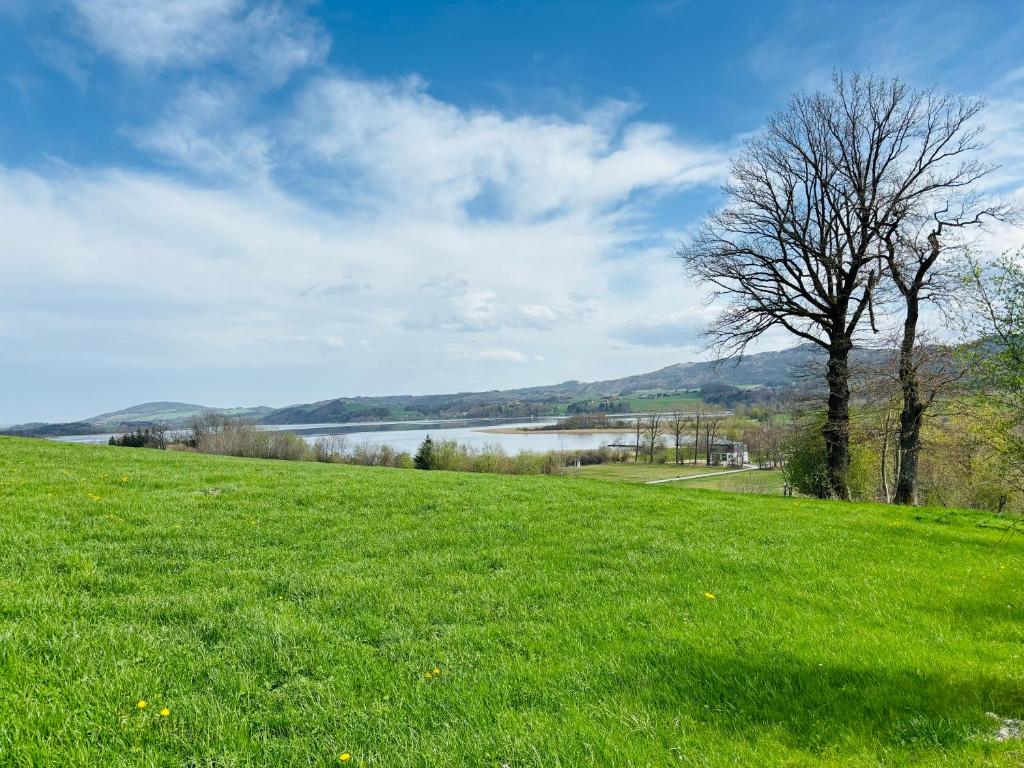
[259,202]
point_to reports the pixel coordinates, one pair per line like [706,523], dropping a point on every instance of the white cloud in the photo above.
[490,356]
[1004,130]
[677,330]
[450,304]
[434,232]
[216,279]
[410,150]
[204,128]
[268,39]
[64,58]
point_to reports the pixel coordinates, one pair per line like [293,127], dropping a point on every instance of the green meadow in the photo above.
[291,613]
[768,481]
[630,472]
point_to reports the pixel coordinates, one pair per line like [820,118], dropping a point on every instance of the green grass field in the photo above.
[287,613]
[764,481]
[768,482]
[664,404]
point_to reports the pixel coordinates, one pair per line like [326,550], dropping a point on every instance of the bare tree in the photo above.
[699,414]
[920,275]
[916,247]
[772,435]
[678,424]
[935,370]
[204,424]
[652,432]
[159,432]
[800,243]
[638,427]
[712,423]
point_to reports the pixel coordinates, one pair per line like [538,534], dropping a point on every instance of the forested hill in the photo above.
[766,369]
[785,368]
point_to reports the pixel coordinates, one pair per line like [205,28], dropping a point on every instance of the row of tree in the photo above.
[699,427]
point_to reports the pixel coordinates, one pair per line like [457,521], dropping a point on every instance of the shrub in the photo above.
[806,469]
[491,458]
[247,440]
[204,424]
[155,437]
[330,448]
[601,455]
[449,455]
[864,473]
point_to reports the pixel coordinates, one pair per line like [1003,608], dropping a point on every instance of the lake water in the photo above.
[407,436]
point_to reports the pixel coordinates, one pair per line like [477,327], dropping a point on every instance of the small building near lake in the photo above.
[731,453]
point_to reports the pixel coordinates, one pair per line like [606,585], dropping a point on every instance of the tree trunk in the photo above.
[696,440]
[912,413]
[837,425]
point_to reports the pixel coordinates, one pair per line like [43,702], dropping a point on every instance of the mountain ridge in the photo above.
[764,369]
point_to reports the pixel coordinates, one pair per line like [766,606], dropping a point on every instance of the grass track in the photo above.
[641,473]
[765,481]
[287,612]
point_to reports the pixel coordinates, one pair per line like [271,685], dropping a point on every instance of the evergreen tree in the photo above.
[424,458]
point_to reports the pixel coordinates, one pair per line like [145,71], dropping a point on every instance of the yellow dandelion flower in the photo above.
[141,704]
[344,757]
[124,478]
[437,671]
[710,596]
[165,712]
[427,675]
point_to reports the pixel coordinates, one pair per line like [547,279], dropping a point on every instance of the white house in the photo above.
[729,452]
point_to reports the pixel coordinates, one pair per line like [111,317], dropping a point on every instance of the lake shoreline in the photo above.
[537,431]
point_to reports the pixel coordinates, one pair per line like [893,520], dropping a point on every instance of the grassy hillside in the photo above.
[285,614]
[172,414]
[640,473]
[723,479]
[758,481]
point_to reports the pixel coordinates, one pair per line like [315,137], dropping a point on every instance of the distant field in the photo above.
[662,404]
[766,481]
[282,614]
[755,481]
[640,473]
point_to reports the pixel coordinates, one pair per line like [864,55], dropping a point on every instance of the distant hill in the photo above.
[765,369]
[785,368]
[174,415]
[170,413]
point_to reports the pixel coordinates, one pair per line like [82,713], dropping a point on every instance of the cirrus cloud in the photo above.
[269,40]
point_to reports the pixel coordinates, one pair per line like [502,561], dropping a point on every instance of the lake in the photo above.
[407,436]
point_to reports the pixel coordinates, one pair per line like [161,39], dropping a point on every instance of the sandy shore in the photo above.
[536,431]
